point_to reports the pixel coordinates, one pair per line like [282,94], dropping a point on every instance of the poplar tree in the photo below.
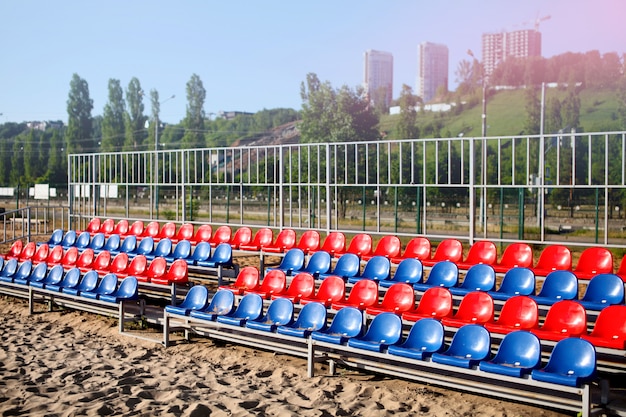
[113,126]
[79,135]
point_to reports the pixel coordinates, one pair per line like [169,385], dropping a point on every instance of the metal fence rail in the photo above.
[568,188]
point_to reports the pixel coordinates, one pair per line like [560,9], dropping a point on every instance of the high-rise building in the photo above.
[432,69]
[519,44]
[378,76]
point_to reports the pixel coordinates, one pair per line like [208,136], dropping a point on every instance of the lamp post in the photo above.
[156,157]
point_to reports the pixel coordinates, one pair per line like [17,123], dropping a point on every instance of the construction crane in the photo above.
[537,21]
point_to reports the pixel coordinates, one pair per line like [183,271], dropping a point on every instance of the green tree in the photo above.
[79,133]
[113,125]
[571,107]
[135,119]
[57,170]
[406,126]
[194,119]
[554,120]
[533,111]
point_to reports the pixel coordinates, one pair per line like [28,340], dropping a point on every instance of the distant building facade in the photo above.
[432,69]
[378,76]
[519,44]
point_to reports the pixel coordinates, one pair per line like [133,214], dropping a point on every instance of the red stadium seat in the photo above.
[274,282]
[263,237]
[388,246]
[481,252]
[362,295]
[447,250]
[609,329]
[247,279]
[285,240]
[168,231]
[185,232]
[301,285]
[399,298]
[121,228]
[552,258]
[594,261]
[203,234]
[518,313]
[418,248]
[221,235]
[331,290]
[515,255]
[334,244]
[436,302]
[566,318]
[475,308]
[242,236]
[309,241]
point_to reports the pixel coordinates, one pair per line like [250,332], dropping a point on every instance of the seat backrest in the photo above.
[418,247]
[112,243]
[566,316]
[137,265]
[332,288]
[384,328]
[335,242]
[223,254]
[119,263]
[435,302]
[309,241]
[312,317]
[410,270]
[248,277]
[606,289]
[360,244]
[377,268]
[222,235]
[201,252]
[443,274]
[319,263]
[519,348]
[56,237]
[128,288]
[157,268]
[108,284]
[480,277]
[107,227]
[185,232]
[274,282]
[475,307]
[263,237]
[399,297]
[621,271]
[163,248]
[280,312]
[517,255]
[242,236]
[168,231]
[223,302]
[560,285]
[136,228]
[82,241]
[121,228]
[293,260]
[611,323]
[97,241]
[388,246]
[39,272]
[250,307]
[41,253]
[85,259]
[89,281]
[69,239]
[448,250]
[197,298]
[93,226]
[10,268]
[348,265]
[286,239]
[426,335]
[363,293]
[347,322]
[178,272]
[482,252]
[102,260]
[16,248]
[182,250]
[572,357]
[28,251]
[555,257]
[129,244]
[301,285]
[24,270]
[203,234]
[518,281]
[145,246]
[470,341]
[595,260]
[519,312]
[70,257]
[71,278]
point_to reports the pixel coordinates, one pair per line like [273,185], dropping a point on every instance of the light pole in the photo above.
[156,157]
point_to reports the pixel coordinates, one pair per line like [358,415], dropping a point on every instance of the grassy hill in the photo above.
[506,115]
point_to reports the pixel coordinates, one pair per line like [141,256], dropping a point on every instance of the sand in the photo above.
[68,363]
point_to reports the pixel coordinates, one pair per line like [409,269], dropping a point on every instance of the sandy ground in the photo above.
[69,363]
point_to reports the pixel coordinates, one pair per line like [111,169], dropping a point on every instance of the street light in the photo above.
[156,156]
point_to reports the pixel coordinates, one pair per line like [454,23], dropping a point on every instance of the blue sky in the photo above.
[252,55]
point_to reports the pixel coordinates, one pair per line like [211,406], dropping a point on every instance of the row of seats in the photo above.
[572,361]
[89,285]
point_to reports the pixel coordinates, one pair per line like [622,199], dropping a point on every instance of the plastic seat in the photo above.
[144,247]
[425,338]
[93,226]
[388,246]
[594,261]
[553,258]
[362,295]
[312,317]
[9,270]
[481,252]
[263,237]
[136,229]
[69,239]
[97,242]
[334,243]
[516,255]
[201,253]
[22,274]
[479,277]
[285,240]
[70,279]
[319,263]
[121,228]
[222,235]
[377,269]
[360,245]
[347,266]
[185,232]
[279,313]
[292,261]
[112,244]
[162,249]
[621,271]
[516,281]
[558,285]
[15,250]
[436,302]
[222,303]
[118,265]
[274,282]
[572,362]
[182,250]
[70,257]
[475,308]
[129,244]
[518,354]
[107,226]
[409,271]
[82,241]
[603,290]
[127,290]
[177,273]
[242,236]
[347,323]
[565,318]
[301,285]
[442,274]
[470,345]
[203,234]
[107,286]
[56,237]
[28,252]
[250,308]
[41,254]
[417,248]
[102,262]
[447,250]
[222,256]
[136,267]
[609,330]
[398,298]
[156,270]
[168,231]
[55,255]
[519,312]
[248,278]
[85,260]
[197,298]
[38,273]
[309,241]
[384,330]
[88,282]
[331,290]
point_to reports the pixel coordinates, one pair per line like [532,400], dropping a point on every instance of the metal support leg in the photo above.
[166,329]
